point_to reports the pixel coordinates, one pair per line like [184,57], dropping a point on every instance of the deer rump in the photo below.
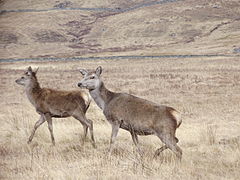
[140,116]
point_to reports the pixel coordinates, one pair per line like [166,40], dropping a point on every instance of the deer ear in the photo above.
[29,69]
[99,71]
[36,70]
[83,72]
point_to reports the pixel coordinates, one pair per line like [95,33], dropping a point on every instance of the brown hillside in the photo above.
[179,27]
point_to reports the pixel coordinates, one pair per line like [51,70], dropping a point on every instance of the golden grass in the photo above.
[206,91]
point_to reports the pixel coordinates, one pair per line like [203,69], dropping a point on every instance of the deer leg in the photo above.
[171,142]
[134,138]
[135,141]
[90,125]
[50,127]
[115,129]
[85,130]
[159,150]
[37,124]
[87,123]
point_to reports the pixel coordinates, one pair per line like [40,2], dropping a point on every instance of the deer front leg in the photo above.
[134,138]
[37,124]
[87,123]
[135,141]
[85,130]
[134,135]
[115,129]
[50,127]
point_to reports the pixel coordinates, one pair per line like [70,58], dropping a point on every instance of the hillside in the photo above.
[32,29]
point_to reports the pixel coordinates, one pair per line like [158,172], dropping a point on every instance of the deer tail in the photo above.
[177,117]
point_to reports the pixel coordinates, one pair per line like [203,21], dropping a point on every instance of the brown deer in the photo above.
[51,103]
[136,115]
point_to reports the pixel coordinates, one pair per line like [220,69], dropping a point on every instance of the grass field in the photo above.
[204,90]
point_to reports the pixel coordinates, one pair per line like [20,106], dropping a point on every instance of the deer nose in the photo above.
[79,84]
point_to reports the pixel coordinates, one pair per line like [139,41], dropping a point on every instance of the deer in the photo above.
[50,103]
[136,115]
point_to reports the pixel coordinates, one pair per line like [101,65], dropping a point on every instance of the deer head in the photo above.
[28,77]
[91,80]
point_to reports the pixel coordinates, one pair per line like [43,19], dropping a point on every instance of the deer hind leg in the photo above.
[37,124]
[85,131]
[170,142]
[161,149]
[87,123]
[50,127]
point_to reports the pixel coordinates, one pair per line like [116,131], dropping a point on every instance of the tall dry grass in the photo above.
[206,91]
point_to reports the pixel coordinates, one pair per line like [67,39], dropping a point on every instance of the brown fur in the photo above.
[134,114]
[55,103]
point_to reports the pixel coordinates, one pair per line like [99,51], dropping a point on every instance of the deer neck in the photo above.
[33,91]
[101,95]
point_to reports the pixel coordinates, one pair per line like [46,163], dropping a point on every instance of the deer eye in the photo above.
[27,73]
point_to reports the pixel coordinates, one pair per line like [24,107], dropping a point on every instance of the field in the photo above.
[200,78]
[205,91]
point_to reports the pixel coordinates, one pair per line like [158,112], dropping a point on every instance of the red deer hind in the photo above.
[51,103]
[136,115]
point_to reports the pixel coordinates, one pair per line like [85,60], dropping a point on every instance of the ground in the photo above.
[204,88]
[205,91]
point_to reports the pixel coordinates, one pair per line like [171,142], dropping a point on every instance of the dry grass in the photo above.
[206,91]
